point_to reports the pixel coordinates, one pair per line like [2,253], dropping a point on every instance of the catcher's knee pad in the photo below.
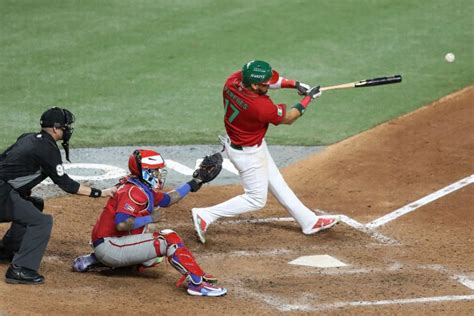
[168,241]
[178,255]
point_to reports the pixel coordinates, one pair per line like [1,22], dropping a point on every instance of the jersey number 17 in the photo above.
[235,111]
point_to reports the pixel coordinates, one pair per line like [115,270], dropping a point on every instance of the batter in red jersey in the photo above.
[120,237]
[248,111]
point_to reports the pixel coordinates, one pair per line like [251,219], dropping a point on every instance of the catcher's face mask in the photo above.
[156,178]
[149,167]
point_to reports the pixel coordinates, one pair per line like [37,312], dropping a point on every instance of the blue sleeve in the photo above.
[121,217]
[142,221]
[139,221]
[165,201]
[182,191]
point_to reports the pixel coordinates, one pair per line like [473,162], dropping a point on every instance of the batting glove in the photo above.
[314,93]
[302,88]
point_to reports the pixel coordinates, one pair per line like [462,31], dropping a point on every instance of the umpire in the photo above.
[33,158]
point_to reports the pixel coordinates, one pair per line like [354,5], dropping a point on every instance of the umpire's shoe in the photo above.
[20,275]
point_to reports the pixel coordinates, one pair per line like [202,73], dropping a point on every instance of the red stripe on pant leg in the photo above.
[131,244]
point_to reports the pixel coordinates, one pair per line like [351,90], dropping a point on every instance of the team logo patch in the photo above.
[128,207]
[280,112]
[60,170]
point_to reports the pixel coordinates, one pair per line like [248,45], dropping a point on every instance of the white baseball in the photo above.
[449,57]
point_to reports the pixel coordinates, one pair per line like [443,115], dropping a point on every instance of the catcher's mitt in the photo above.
[209,168]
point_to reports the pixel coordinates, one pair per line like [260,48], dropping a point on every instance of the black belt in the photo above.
[97,242]
[236,147]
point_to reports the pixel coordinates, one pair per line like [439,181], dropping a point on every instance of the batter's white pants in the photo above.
[258,173]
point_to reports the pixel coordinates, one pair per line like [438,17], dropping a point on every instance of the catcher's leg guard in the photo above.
[193,277]
[179,256]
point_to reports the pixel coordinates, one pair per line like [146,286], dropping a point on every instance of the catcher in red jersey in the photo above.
[248,111]
[119,237]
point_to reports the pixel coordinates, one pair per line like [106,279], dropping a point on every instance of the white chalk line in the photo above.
[307,302]
[255,253]
[271,300]
[461,278]
[110,172]
[369,228]
[372,233]
[464,280]
[302,305]
[113,172]
[343,218]
[418,300]
[423,201]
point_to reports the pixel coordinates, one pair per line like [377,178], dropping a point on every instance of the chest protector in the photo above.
[146,189]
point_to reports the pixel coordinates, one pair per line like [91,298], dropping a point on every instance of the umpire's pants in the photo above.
[30,231]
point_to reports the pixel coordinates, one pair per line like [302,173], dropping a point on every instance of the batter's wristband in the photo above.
[95,193]
[299,107]
[287,83]
[305,102]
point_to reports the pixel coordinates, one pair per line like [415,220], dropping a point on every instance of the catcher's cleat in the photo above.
[200,226]
[205,289]
[206,278]
[322,224]
[209,278]
[86,263]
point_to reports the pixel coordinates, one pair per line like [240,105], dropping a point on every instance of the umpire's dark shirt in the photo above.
[33,158]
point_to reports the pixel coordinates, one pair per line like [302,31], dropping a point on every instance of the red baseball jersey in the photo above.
[130,200]
[248,114]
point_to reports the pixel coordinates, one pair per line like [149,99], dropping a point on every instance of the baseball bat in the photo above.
[365,83]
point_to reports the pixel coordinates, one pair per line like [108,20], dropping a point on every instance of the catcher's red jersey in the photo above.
[247,114]
[130,200]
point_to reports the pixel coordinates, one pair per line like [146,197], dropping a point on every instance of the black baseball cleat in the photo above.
[20,275]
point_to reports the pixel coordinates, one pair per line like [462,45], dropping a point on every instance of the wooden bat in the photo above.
[365,83]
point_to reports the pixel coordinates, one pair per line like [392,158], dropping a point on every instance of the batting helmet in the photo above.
[258,72]
[149,167]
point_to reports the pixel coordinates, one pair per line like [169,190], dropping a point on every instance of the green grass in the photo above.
[149,72]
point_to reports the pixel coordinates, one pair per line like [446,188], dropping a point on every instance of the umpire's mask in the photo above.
[60,118]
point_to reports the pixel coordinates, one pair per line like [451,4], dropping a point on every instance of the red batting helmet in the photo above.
[148,166]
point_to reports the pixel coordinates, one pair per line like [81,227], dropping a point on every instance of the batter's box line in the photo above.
[461,278]
[343,218]
[419,203]
[306,304]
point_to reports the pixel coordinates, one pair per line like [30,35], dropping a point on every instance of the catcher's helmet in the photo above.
[258,72]
[149,167]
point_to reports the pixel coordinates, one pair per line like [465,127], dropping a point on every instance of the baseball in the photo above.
[449,57]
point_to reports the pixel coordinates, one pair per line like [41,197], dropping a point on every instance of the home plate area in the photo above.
[347,267]
[318,261]
[323,282]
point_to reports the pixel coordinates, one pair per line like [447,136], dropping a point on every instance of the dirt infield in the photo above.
[418,263]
